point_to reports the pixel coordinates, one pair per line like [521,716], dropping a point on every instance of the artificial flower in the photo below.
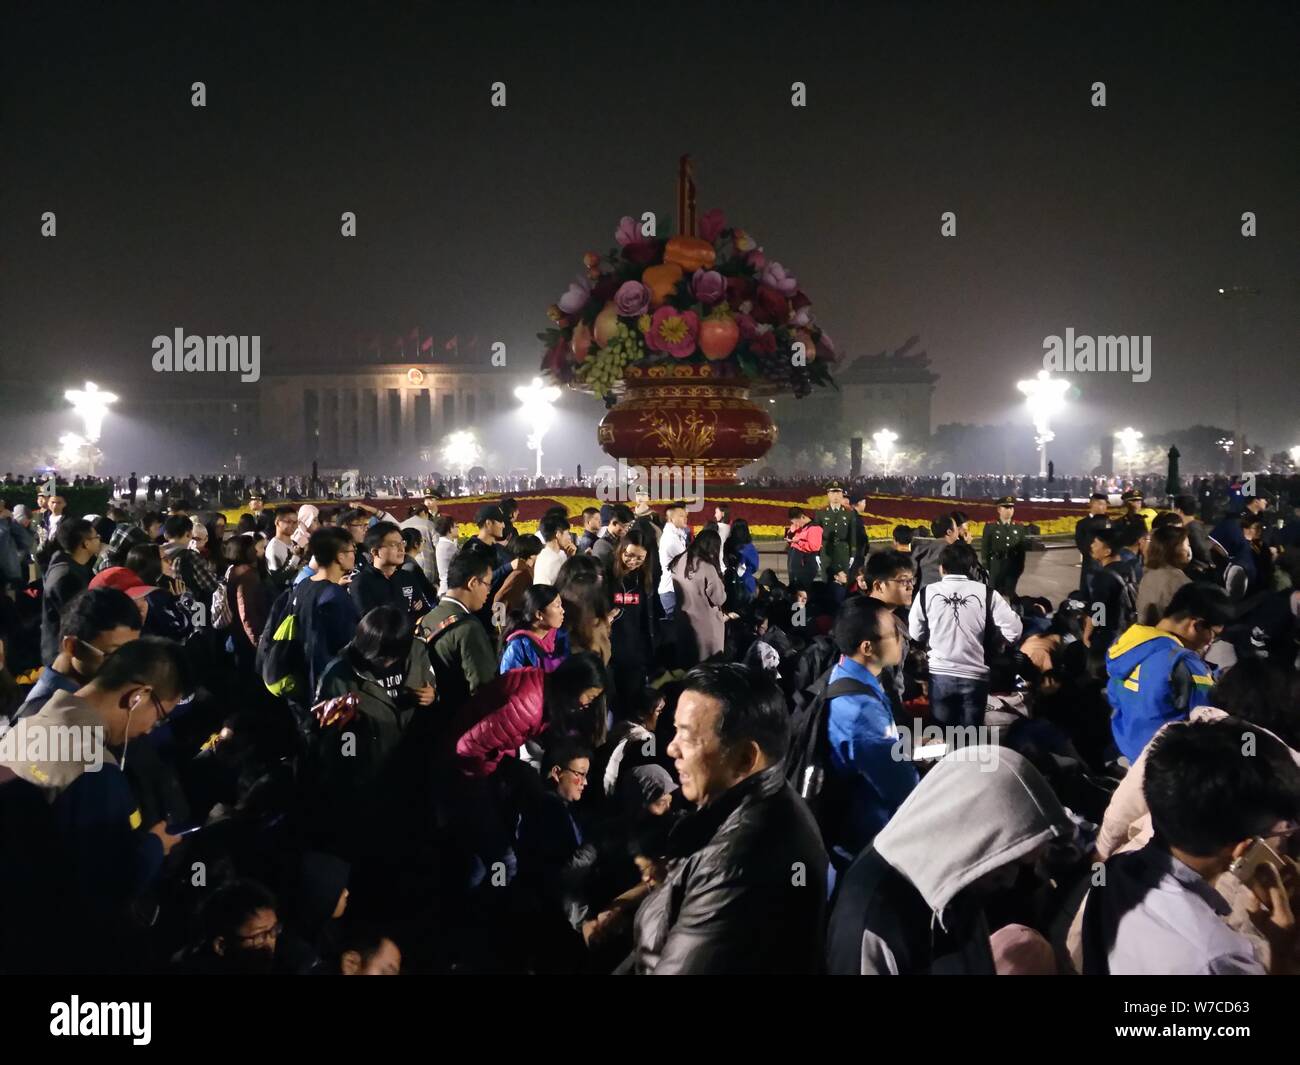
[575,298]
[708,286]
[711,224]
[673,331]
[632,299]
[774,276]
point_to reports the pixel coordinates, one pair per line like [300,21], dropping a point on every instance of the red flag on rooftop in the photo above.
[453,344]
[426,345]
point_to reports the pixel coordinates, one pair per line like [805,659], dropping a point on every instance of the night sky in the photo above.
[471,220]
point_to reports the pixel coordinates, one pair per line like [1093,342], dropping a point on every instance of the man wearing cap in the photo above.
[15,547]
[1085,531]
[1004,549]
[1133,499]
[491,522]
[839,533]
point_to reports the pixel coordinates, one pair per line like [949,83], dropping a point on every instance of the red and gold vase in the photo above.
[688,415]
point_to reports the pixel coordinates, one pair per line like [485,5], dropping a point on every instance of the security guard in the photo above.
[1004,549]
[840,536]
[1133,500]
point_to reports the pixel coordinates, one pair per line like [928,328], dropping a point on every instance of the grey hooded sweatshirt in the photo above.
[903,906]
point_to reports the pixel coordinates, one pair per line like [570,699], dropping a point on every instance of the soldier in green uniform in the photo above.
[1004,549]
[840,536]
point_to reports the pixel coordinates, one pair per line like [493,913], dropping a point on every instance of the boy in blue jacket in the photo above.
[1157,673]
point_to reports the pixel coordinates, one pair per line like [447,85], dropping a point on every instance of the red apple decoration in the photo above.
[581,342]
[718,337]
[605,327]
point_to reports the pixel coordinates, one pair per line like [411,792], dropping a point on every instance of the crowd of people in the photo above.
[339,738]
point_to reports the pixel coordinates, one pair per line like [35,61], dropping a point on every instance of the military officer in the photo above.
[1133,500]
[840,536]
[1004,549]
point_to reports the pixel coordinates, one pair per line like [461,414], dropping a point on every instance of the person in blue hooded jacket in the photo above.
[860,727]
[1157,673]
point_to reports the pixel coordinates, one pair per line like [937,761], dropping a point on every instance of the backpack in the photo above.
[807,765]
[220,613]
[281,657]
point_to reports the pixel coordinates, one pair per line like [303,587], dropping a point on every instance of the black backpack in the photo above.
[281,657]
[807,766]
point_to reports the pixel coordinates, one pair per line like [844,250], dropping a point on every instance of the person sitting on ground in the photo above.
[1157,673]
[750,850]
[915,902]
[1211,802]
[1168,555]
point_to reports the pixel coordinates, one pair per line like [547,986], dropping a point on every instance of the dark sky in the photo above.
[473,219]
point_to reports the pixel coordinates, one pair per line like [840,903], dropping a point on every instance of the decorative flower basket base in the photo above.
[687,416]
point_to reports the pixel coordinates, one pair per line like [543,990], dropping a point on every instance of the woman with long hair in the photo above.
[634,632]
[163,613]
[587,609]
[575,702]
[520,578]
[701,620]
[534,636]
[248,594]
[1168,555]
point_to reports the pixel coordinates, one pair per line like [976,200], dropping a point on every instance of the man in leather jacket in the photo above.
[746,885]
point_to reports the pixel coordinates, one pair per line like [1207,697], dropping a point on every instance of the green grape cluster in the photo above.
[604,367]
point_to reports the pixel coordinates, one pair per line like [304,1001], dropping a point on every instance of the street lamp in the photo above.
[461,451]
[537,405]
[884,441]
[1128,441]
[1235,293]
[90,404]
[1045,395]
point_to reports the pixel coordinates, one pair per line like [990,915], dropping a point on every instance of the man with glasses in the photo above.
[384,582]
[241,929]
[890,581]
[68,575]
[70,751]
[281,551]
[1157,673]
[94,625]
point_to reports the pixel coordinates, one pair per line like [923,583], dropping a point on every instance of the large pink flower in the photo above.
[628,232]
[711,224]
[673,331]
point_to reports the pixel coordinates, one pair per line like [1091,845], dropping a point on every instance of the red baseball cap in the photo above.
[123,579]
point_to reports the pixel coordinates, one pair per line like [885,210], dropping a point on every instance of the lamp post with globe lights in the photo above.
[461,452]
[90,404]
[1044,395]
[1128,438]
[884,440]
[537,405]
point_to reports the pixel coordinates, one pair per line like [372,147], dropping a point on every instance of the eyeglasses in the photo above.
[580,774]
[906,582]
[265,934]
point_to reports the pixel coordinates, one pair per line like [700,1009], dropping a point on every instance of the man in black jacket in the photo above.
[69,575]
[746,884]
[1083,534]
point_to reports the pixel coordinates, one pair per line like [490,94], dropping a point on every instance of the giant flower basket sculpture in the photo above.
[677,335]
